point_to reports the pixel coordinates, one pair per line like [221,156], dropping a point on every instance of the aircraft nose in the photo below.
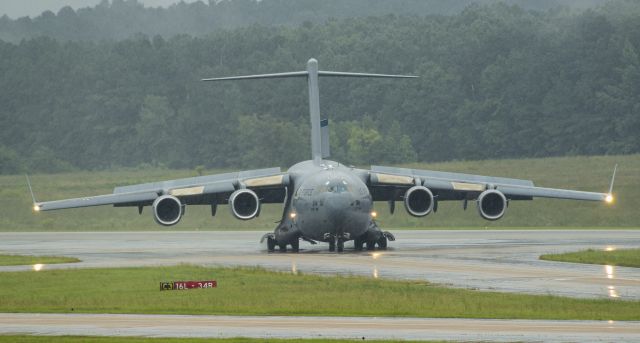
[339,202]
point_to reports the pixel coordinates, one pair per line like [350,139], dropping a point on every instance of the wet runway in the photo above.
[488,260]
[479,259]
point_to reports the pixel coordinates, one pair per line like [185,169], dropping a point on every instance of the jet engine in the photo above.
[418,201]
[492,204]
[244,204]
[167,210]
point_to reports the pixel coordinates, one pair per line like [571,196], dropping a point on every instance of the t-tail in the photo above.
[319,150]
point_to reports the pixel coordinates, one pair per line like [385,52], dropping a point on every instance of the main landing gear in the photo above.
[282,247]
[359,244]
[336,242]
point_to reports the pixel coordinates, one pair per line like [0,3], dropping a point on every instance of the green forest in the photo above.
[120,19]
[497,80]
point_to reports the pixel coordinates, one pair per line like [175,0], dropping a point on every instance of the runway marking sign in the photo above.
[183,285]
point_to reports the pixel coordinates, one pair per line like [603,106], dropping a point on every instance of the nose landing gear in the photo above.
[337,241]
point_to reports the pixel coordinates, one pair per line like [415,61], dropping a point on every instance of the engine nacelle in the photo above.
[418,201]
[244,204]
[492,204]
[167,210]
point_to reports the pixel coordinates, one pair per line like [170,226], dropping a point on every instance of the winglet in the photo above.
[609,197]
[36,206]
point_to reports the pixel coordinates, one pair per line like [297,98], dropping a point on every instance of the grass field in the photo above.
[582,173]
[17,260]
[83,339]
[259,292]
[622,257]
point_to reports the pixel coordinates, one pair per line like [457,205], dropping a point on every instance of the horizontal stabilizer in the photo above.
[260,76]
[306,73]
[341,74]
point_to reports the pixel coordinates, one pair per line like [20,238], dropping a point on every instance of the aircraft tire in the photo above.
[271,244]
[340,245]
[332,246]
[358,244]
[371,245]
[283,247]
[295,245]
[382,242]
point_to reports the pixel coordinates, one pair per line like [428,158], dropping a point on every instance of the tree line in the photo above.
[120,19]
[496,81]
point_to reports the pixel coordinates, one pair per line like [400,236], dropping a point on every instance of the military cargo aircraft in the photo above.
[323,200]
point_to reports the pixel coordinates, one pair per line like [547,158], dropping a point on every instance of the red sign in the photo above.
[180,285]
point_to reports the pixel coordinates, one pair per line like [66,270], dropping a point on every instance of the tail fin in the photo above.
[312,73]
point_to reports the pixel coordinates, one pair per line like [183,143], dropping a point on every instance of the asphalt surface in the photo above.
[487,260]
[320,327]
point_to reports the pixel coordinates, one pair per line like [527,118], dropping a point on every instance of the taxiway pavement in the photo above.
[355,328]
[501,260]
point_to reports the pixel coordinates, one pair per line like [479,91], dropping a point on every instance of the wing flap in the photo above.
[266,181]
[452,177]
[213,180]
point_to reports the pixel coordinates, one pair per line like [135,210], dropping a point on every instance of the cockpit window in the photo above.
[341,186]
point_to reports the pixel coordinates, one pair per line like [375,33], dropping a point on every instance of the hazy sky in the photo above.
[33,8]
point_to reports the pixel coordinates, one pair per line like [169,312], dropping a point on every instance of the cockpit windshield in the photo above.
[334,186]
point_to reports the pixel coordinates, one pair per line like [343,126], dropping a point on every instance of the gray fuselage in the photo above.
[329,200]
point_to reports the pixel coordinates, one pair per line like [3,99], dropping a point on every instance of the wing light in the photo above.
[374,214]
[609,198]
[36,208]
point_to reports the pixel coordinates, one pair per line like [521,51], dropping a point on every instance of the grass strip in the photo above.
[244,291]
[622,257]
[17,260]
[92,339]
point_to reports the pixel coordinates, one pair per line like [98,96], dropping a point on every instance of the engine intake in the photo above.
[167,210]
[418,201]
[492,204]
[244,204]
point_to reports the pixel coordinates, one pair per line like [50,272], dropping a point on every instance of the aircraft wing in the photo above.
[269,184]
[389,183]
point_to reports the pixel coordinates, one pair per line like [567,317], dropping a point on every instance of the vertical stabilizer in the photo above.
[314,110]
[319,135]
